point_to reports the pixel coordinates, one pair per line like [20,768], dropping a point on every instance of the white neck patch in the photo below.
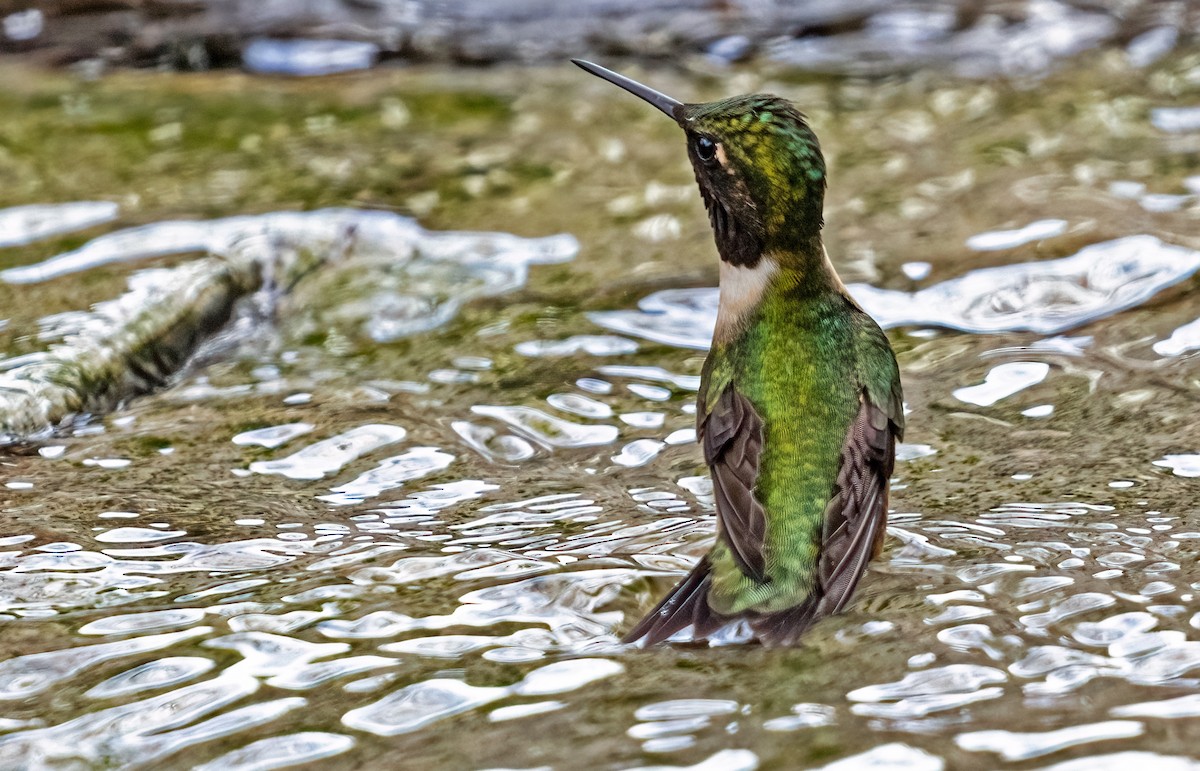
[742,289]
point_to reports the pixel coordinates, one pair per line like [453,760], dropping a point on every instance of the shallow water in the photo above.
[328,546]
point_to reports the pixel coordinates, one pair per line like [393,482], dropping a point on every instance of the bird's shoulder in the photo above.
[876,369]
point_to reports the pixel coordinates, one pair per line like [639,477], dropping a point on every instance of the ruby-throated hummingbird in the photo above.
[800,404]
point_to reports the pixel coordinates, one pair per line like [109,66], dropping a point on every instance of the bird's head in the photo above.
[758,164]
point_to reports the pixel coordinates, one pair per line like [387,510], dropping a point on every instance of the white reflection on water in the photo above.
[375,233]
[390,474]
[893,757]
[1048,297]
[333,454]
[1013,746]
[25,224]
[1181,465]
[1008,239]
[1003,381]
[417,706]
[281,752]
[308,57]
[272,436]
[1185,338]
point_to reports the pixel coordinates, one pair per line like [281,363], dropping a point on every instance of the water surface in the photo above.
[331,546]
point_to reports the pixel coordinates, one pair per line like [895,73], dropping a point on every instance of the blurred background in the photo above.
[348,351]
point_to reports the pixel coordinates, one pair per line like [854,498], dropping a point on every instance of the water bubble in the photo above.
[655,374]
[143,731]
[659,228]
[661,728]
[682,436]
[1064,609]
[1184,339]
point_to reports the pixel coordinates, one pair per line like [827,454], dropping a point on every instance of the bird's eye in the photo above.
[706,149]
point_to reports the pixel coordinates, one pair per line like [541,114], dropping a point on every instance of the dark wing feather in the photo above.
[685,605]
[856,515]
[732,437]
[854,523]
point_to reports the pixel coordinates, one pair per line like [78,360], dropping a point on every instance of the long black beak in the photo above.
[659,100]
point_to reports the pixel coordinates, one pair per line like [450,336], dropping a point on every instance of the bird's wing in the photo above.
[731,433]
[856,515]
[732,437]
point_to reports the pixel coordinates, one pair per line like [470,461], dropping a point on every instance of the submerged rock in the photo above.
[412,280]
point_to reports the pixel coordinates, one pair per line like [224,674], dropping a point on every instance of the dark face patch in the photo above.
[761,175]
[737,226]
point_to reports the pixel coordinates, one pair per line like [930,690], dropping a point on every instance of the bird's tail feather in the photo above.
[784,627]
[685,605]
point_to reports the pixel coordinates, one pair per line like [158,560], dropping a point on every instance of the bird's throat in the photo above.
[741,292]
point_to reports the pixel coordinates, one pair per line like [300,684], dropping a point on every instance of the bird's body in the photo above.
[800,403]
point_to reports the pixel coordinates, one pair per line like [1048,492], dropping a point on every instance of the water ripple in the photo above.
[1047,297]
[281,751]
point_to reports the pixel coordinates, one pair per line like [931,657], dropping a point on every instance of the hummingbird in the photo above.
[800,403]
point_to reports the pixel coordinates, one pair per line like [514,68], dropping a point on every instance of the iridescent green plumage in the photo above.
[800,405]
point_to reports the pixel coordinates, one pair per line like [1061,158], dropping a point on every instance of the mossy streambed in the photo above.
[319,547]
